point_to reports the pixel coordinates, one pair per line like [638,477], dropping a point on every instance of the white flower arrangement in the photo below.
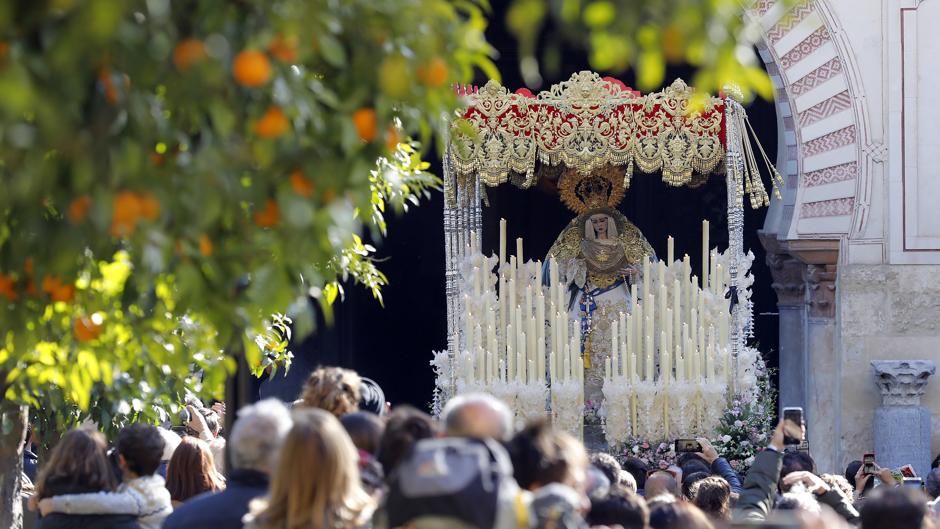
[567,406]
[617,393]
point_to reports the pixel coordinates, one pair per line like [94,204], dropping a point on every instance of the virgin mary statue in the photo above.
[599,254]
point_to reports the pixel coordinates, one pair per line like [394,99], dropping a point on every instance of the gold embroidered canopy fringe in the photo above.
[586,123]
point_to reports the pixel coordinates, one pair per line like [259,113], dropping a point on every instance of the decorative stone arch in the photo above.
[824,145]
[826,157]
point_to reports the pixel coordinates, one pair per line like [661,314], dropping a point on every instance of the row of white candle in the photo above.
[521,351]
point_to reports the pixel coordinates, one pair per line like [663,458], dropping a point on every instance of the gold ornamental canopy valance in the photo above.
[587,123]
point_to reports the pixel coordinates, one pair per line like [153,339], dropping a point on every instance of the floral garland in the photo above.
[744,426]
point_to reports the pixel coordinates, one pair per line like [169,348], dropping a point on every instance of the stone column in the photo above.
[902,425]
[787,273]
[824,369]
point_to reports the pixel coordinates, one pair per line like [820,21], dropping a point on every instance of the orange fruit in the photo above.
[78,209]
[365,121]
[6,288]
[392,138]
[284,48]
[300,184]
[433,73]
[251,68]
[86,329]
[269,216]
[106,77]
[149,206]
[673,44]
[272,124]
[126,211]
[205,245]
[187,53]
[64,293]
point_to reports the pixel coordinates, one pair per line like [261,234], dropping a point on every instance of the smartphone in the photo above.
[908,471]
[868,464]
[792,426]
[916,483]
[687,445]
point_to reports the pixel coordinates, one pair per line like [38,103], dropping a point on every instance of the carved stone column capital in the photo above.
[821,284]
[902,382]
[787,274]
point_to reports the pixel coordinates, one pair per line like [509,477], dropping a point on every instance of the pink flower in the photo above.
[645,444]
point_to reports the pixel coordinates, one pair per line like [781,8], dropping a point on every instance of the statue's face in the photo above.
[599,222]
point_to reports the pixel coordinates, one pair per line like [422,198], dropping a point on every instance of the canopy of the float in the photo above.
[585,123]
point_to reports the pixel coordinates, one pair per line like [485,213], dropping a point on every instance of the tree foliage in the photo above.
[175,172]
[717,37]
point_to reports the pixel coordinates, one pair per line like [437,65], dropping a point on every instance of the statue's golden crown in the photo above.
[603,187]
[594,192]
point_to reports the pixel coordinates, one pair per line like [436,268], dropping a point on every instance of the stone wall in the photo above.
[884,312]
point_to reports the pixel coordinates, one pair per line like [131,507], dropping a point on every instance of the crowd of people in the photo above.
[339,457]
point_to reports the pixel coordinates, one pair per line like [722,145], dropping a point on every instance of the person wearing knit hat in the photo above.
[372,398]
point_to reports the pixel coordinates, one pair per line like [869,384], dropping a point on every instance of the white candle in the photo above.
[713,271]
[670,257]
[607,368]
[622,346]
[664,361]
[693,330]
[490,369]
[676,309]
[502,241]
[667,331]
[519,259]
[719,281]
[705,247]
[649,313]
[649,357]
[473,242]
[477,281]
[520,356]
[478,351]
[510,351]
[646,277]
[468,324]
[614,341]
[628,344]
[551,367]
[540,333]
[680,362]
[566,369]
[709,356]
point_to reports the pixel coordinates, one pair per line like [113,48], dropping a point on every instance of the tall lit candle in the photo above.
[713,272]
[664,362]
[646,277]
[705,248]
[468,324]
[680,361]
[676,309]
[649,357]
[667,331]
[519,258]
[510,351]
[502,241]
[709,357]
[622,344]
[520,356]
[670,250]
[628,345]
[552,372]
[607,368]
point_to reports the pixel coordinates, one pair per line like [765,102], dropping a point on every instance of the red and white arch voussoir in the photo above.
[818,117]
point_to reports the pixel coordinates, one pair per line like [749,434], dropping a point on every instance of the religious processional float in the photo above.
[603,331]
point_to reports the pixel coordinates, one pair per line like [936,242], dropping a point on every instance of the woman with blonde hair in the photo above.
[316,482]
[333,389]
[192,471]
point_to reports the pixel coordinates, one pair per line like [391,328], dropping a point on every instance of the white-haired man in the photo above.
[254,443]
[478,416]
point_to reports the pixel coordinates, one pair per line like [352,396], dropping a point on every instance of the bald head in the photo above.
[477,415]
[661,483]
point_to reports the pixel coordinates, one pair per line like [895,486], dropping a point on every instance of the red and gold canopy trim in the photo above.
[585,123]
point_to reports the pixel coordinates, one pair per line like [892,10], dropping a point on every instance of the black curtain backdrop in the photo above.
[393,345]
